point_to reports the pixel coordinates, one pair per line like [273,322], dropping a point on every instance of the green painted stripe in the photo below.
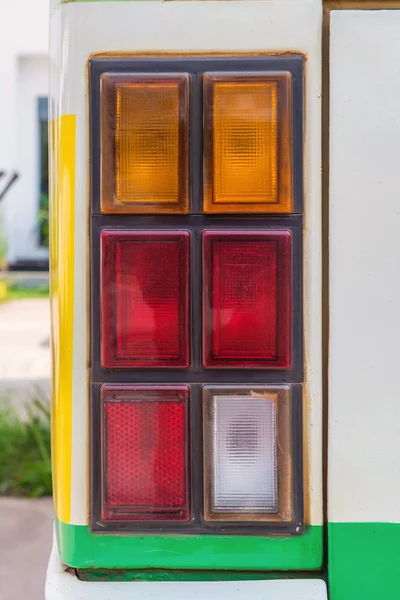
[363,561]
[82,549]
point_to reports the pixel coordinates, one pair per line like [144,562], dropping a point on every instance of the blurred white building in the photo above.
[24,33]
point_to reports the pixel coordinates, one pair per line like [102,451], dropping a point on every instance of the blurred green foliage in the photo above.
[17,292]
[25,461]
[44,219]
[3,246]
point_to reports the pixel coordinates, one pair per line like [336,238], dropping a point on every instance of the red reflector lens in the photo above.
[145,453]
[247,299]
[145,299]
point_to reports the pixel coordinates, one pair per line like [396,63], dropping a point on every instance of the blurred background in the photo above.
[25,469]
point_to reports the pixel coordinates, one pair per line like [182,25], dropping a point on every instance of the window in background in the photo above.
[43,172]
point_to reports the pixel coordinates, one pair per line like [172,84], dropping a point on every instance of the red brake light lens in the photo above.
[145,299]
[247,299]
[145,453]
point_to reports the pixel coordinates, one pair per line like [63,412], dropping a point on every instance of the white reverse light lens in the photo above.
[244,454]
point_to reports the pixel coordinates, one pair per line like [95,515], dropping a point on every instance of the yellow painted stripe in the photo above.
[63,144]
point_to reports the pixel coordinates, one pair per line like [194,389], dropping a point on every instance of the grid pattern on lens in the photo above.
[245,138]
[147,145]
[201,372]
[244,455]
[145,459]
[148,292]
[244,318]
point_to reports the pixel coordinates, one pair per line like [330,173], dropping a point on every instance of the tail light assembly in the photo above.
[196,286]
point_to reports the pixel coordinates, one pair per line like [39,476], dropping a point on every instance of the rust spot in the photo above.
[195,54]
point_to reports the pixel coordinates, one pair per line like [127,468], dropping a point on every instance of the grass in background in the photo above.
[25,463]
[17,292]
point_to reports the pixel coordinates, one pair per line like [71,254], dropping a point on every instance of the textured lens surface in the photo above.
[145,456]
[246,299]
[145,299]
[244,454]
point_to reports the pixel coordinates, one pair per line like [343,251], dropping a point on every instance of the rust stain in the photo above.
[193,54]
[361,4]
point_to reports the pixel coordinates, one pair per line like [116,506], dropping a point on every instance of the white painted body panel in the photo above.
[364,398]
[24,36]
[63,585]
[244,26]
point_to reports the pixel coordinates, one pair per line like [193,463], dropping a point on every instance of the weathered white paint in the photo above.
[364,398]
[225,26]
[24,34]
[63,585]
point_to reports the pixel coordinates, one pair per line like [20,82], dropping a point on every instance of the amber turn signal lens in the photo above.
[144,143]
[247,143]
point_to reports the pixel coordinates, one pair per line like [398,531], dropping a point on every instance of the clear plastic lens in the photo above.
[244,454]
[248,455]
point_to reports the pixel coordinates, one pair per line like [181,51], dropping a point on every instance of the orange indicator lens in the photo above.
[248,143]
[144,144]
